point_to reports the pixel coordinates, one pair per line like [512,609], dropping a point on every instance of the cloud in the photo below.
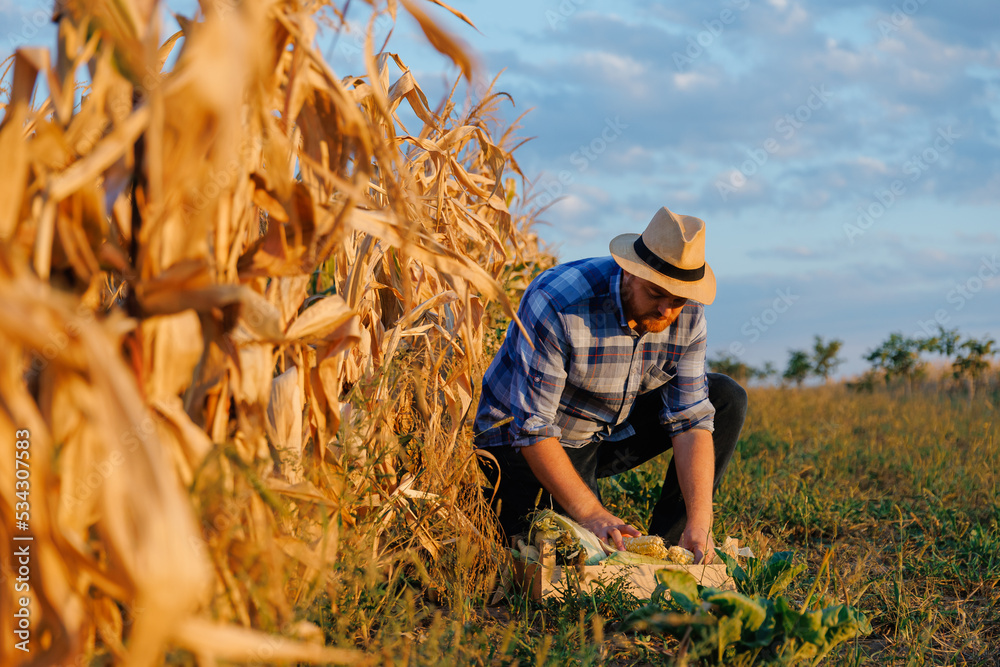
[792,252]
[763,316]
[983,239]
[888,95]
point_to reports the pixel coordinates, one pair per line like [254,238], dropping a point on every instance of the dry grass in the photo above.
[221,284]
[899,490]
[903,489]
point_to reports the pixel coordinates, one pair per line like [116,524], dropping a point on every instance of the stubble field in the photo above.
[897,493]
[903,491]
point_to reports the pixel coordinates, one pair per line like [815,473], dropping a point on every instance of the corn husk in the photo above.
[572,541]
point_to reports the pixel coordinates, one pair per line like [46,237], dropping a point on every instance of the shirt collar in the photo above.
[616,289]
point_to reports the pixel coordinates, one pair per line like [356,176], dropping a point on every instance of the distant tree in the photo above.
[944,343]
[764,372]
[973,361]
[825,359]
[730,364]
[899,356]
[864,384]
[799,367]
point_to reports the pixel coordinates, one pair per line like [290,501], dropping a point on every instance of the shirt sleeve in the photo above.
[685,397]
[539,375]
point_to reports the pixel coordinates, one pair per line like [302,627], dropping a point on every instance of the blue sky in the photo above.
[844,155]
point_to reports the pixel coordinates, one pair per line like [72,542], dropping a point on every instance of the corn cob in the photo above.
[680,555]
[652,545]
[647,545]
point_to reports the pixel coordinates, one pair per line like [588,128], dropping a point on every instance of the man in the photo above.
[611,374]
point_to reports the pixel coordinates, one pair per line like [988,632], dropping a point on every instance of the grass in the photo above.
[902,490]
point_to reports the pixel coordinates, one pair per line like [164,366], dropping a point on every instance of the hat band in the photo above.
[664,267]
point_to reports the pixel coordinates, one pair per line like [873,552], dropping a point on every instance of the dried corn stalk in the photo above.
[218,284]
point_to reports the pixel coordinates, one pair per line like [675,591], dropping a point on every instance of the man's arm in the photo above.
[694,457]
[556,473]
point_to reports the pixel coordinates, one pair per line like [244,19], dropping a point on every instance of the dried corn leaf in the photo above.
[328,317]
[284,413]
[440,39]
[225,642]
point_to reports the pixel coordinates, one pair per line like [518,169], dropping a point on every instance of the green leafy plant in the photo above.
[743,625]
[760,577]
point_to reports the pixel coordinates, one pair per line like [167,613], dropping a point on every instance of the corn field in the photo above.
[242,318]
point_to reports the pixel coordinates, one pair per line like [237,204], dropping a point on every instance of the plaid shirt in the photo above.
[579,382]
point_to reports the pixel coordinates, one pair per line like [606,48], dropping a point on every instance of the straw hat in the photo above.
[671,254]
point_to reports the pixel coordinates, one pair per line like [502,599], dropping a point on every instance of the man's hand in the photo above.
[700,543]
[694,454]
[608,528]
[556,473]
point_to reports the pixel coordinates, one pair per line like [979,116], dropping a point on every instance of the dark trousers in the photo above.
[518,488]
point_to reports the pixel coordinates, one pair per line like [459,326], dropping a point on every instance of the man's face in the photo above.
[648,307]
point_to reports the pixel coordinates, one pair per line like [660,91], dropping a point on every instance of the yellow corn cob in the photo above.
[647,545]
[680,555]
[652,545]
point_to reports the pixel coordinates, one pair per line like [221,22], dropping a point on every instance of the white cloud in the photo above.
[612,65]
[572,206]
[691,80]
[846,61]
[872,164]
[636,157]
[793,18]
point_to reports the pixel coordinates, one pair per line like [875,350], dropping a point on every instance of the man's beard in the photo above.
[644,322]
[652,324]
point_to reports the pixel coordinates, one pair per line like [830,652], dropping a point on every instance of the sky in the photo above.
[845,156]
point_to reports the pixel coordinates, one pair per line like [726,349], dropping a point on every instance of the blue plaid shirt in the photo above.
[579,382]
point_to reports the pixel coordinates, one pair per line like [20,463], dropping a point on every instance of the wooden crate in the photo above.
[544,578]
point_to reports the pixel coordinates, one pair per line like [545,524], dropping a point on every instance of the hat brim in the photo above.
[702,291]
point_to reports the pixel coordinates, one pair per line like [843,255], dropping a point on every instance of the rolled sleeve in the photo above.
[685,397]
[539,373]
